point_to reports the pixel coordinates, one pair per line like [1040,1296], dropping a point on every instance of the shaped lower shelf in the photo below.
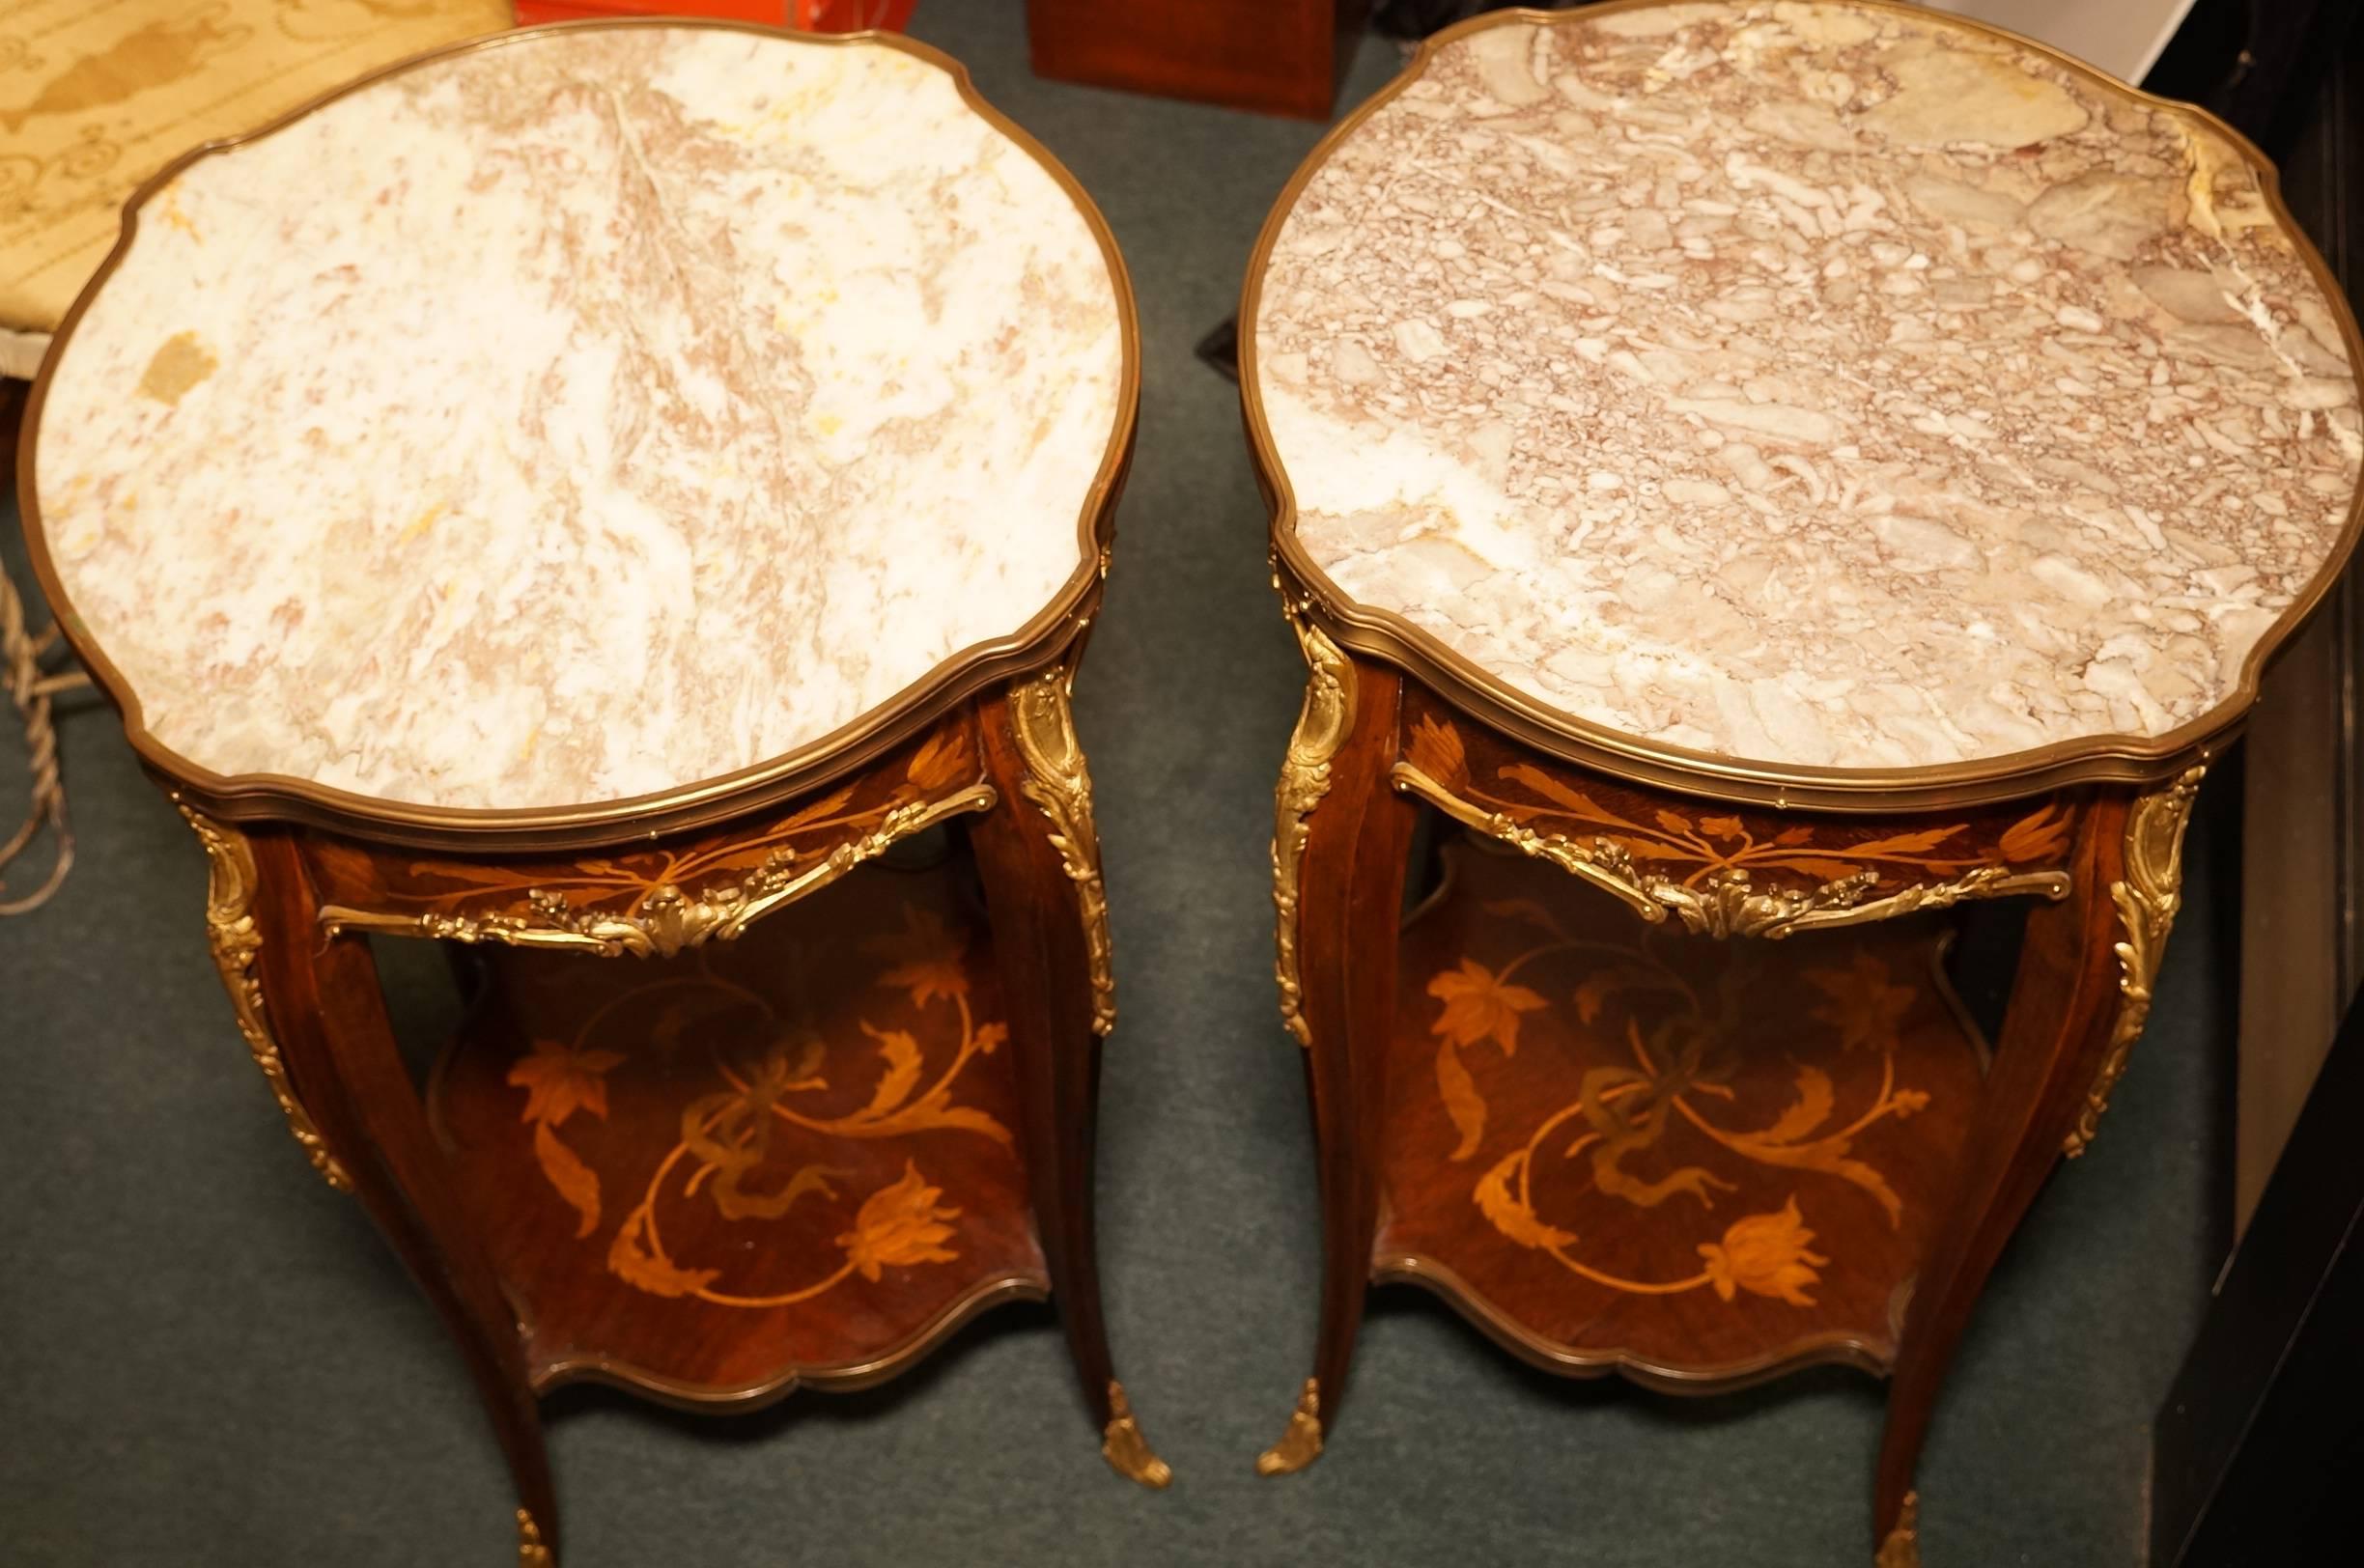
[789,1158]
[1700,1162]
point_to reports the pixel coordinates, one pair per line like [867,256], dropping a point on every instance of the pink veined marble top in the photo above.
[1810,384]
[580,417]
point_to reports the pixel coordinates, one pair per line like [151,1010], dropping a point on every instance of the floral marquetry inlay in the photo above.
[727,1136]
[811,1130]
[660,903]
[1642,1117]
[1722,872]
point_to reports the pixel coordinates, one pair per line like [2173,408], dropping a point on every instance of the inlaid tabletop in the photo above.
[1823,386]
[581,416]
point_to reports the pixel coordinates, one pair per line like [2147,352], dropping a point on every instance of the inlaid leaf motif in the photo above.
[926,955]
[1866,1009]
[1917,842]
[1462,1101]
[1675,824]
[1724,826]
[1505,1211]
[2041,835]
[1435,750]
[1567,799]
[829,806]
[941,761]
[1592,993]
[648,1270]
[935,1109]
[1479,1006]
[1814,1103]
[901,1053]
[560,1079]
[575,1182]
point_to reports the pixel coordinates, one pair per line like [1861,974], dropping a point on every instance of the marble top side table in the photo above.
[1792,468]
[573,497]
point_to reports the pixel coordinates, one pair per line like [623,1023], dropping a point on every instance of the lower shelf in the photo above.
[791,1158]
[1700,1162]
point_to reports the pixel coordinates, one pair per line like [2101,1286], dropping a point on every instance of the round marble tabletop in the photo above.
[1821,385]
[582,415]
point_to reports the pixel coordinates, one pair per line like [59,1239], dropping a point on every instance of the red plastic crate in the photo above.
[813,15]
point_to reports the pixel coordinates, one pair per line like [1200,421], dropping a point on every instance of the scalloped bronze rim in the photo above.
[1836,1347]
[1382,635]
[762,1393]
[246,797]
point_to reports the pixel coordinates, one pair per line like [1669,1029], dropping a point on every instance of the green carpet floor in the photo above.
[208,1358]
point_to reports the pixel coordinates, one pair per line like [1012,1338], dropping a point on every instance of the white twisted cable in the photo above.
[30,689]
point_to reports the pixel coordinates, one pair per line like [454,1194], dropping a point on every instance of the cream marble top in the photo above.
[1810,384]
[580,417]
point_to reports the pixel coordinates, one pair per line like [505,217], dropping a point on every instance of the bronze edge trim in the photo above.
[666,918]
[847,1378]
[1728,906]
[1550,1356]
[260,797]
[2121,759]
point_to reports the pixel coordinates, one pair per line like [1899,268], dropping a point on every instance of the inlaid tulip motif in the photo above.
[730,1138]
[1675,1069]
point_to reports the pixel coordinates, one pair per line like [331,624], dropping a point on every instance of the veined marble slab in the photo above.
[1813,385]
[580,417]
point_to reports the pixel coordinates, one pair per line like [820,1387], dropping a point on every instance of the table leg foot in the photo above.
[1126,1450]
[1902,1547]
[1302,1444]
[532,1551]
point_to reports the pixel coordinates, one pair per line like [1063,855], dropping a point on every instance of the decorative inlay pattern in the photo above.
[1679,1070]
[2147,899]
[1698,1162]
[1813,384]
[1930,868]
[726,1147]
[1060,784]
[581,416]
[576,911]
[230,930]
[1323,723]
[784,1159]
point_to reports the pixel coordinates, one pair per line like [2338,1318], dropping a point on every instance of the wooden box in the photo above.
[1274,56]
